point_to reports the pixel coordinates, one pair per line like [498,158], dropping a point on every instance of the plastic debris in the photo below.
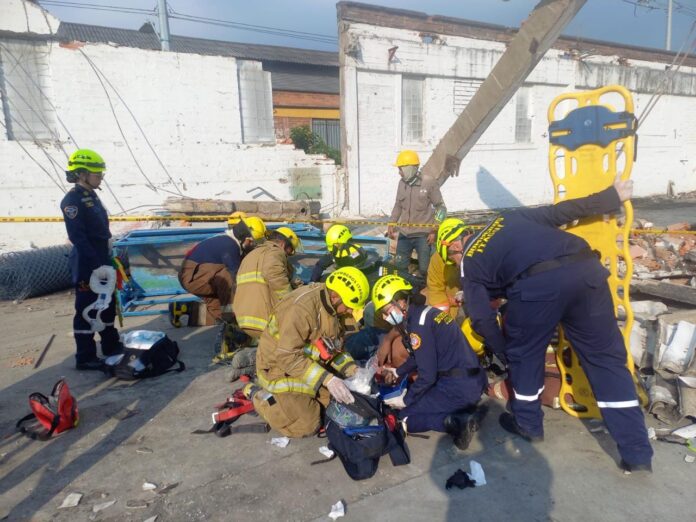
[686,432]
[690,459]
[337,510]
[652,435]
[72,500]
[149,486]
[477,474]
[324,450]
[100,507]
[281,442]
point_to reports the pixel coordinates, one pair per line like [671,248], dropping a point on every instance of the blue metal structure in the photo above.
[152,259]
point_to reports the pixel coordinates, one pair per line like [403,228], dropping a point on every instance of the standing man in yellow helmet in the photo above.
[418,201]
[87,224]
[299,361]
[210,268]
[264,277]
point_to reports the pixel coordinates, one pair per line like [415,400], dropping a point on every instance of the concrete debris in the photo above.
[668,255]
[338,510]
[690,458]
[151,519]
[72,500]
[101,507]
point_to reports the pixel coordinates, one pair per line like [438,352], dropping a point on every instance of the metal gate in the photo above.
[329,131]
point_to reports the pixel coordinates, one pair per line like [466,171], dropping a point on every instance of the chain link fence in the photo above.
[31,273]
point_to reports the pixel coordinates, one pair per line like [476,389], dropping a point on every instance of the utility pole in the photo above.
[668,39]
[163,24]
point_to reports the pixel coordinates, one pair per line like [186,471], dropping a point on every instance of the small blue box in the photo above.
[389,392]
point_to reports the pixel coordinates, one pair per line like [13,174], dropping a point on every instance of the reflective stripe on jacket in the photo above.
[282,360]
[262,280]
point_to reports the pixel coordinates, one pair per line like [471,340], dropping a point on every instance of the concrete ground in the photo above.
[131,433]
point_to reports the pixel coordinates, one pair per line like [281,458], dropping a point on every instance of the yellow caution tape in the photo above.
[271,219]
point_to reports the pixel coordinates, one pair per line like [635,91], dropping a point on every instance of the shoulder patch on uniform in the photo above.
[70,211]
[415,341]
[443,317]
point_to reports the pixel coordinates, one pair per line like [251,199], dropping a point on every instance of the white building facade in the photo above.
[405,77]
[166,123]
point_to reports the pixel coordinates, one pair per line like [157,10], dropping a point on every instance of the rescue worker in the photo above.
[418,201]
[299,363]
[443,287]
[264,277]
[450,381]
[342,250]
[87,224]
[210,268]
[550,276]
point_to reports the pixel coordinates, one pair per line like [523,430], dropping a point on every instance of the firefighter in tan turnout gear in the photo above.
[264,277]
[299,362]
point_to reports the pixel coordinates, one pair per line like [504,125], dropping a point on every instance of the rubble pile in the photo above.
[669,255]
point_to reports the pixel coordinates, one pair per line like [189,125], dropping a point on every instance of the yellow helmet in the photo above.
[351,285]
[386,288]
[235,217]
[256,226]
[337,234]
[449,230]
[86,159]
[407,157]
[292,237]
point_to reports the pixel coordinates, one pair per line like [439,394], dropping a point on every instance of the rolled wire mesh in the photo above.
[31,273]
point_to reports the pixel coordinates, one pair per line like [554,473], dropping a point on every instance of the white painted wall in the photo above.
[21,16]
[497,172]
[187,105]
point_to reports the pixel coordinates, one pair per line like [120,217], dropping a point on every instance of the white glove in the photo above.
[397,402]
[339,391]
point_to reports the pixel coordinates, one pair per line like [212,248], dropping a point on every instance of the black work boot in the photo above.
[509,424]
[94,364]
[629,469]
[462,427]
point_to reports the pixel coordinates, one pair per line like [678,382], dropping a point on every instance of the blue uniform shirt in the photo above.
[87,224]
[439,346]
[220,249]
[513,242]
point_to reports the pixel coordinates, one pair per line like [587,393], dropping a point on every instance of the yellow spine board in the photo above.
[587,170]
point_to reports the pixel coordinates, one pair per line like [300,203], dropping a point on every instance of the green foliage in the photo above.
[303,138]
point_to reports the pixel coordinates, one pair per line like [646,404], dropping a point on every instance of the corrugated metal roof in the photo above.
[305,82]
[183,44]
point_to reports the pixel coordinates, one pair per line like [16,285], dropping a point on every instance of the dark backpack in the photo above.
[138,363]
[360,448]
[52,415]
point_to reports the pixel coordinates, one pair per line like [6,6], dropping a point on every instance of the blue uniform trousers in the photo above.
[577,296]
[448,395]
[84,337]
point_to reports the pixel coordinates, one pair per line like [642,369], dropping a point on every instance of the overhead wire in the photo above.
[137,124]
[289,33]
[46,97]
[19,143]
[97,7]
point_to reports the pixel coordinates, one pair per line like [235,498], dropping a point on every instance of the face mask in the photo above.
[395,317]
